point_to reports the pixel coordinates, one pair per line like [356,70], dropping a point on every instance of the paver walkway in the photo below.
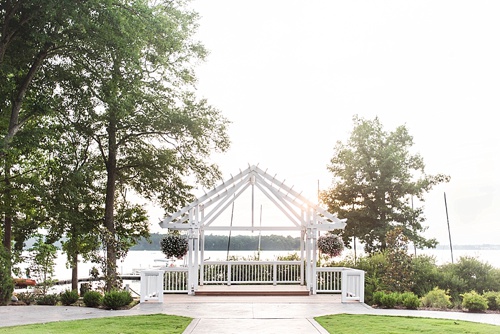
[224,315]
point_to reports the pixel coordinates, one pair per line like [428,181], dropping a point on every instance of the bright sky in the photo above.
[290,75]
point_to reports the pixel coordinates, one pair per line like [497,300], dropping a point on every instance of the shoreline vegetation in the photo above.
[271,242]
[267,242]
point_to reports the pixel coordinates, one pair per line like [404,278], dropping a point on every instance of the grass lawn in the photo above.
[372,324]
[143,324]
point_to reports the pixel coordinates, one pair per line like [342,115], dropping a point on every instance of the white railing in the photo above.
[329,279]
[175,279]
[151,285]
[349,282]
[250,272]
[353,285]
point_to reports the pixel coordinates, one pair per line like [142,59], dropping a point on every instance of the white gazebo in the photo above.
[304,216]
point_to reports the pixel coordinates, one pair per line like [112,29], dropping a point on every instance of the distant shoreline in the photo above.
[469,247]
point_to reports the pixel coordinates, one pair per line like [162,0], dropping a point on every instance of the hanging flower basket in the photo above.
[331,245]
[174,245]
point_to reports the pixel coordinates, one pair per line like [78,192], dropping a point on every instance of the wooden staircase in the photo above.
[252,290]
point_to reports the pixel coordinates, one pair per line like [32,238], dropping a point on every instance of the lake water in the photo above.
[137,260]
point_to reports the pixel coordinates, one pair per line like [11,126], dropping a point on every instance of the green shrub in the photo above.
[377,297]
[26,297]
[452,283]
[116,299]
[425,274]
[437,298]
[493,298]
[390,300]
[410,300]
[69,297]
[474,302]
[49,299]
[92,298]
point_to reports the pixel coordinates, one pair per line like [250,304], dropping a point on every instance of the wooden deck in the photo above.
[252,290]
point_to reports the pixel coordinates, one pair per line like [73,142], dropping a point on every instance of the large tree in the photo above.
[38,39]
[126,69]
[153,135]
[375,179]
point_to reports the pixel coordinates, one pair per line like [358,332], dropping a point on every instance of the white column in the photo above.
[302,241]
[191,274]
[202,241]
[196,240]
[202,257]
[308,252]
[314,232]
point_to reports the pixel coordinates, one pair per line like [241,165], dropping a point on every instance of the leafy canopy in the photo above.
[375,178]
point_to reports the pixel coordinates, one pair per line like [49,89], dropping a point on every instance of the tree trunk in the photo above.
[74,271]
[109,221]
[7,236]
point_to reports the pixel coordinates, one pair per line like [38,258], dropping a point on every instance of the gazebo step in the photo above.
[252,293]
[252,290]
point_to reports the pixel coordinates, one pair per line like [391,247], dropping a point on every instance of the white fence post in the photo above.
[152,285]
[353,285]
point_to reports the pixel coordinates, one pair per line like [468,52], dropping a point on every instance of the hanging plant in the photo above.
[331,245]
[174,245]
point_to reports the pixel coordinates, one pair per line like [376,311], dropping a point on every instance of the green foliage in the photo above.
[392,299]
[289,257]
[375,177]
[377,297]
[174,245]
[6,283]
[330,244]
[437,298]
[47,299]
[68,297]
[113,87]
[116,299]
[466,275]
[425,274]
[493,298]
[374,266]
[92,298]
[474,302]
[410,301]
[450,282]
[26,297]
[42,259]
[477,275]
[398,275]
[389,300]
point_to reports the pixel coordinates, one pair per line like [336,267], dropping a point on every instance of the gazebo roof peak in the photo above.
[217,200]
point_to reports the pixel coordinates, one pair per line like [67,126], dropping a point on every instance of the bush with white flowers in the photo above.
[330,244]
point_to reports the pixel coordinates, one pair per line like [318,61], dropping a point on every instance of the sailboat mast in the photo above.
[449,232]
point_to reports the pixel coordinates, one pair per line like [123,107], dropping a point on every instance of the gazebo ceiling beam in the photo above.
[207,221]
[206,196]
[287,210]
[228,198]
